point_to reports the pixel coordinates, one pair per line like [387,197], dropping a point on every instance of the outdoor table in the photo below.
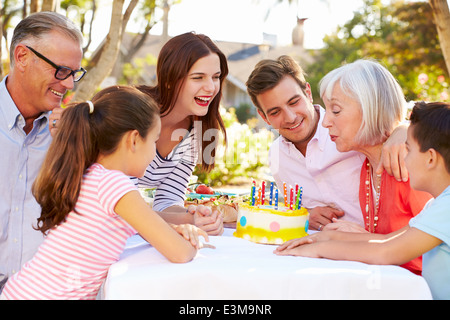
[238,269]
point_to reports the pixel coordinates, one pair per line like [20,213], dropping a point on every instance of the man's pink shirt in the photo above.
[328,177]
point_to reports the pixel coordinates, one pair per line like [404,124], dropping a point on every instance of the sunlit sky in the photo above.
[240,20]
[246,20]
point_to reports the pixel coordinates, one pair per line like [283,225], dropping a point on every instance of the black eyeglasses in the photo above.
[62,73]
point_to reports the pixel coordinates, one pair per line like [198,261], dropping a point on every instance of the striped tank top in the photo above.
[170,175]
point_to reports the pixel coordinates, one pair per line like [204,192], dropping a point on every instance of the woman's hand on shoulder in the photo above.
[393,155]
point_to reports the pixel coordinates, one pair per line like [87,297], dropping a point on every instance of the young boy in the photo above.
[428,234]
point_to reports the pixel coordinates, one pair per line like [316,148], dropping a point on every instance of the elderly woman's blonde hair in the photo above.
[381,98]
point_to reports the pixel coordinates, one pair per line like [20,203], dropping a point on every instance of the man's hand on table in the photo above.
[321,216]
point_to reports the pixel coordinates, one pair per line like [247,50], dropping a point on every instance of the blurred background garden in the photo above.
[123,38]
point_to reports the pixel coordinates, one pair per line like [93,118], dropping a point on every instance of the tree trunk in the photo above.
[24,9]
[103,68]
[48,5]
[137,42]
[94,10]
[442,19]
[34,6]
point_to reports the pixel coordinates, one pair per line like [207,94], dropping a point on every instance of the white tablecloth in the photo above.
[238,269]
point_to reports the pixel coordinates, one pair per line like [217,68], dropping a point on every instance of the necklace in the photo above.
[371,225]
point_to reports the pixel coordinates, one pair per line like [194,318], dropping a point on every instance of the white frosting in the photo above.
[263,220]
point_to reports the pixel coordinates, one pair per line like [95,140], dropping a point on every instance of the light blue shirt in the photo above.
[435,220]
[19,165]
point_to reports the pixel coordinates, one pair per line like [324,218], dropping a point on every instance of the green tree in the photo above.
[401,35]
[441,14]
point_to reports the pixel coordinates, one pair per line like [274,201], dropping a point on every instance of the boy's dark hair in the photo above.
[431,129]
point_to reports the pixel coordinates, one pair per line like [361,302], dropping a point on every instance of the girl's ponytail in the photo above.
[72,151]
[87,130]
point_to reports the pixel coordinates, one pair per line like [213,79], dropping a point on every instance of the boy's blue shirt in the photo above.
[434,219]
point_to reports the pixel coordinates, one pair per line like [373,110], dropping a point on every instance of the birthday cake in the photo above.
[264,224]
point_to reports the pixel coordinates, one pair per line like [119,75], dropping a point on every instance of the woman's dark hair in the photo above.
[81,137]
[175,60]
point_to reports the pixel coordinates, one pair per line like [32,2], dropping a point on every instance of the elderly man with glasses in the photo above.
[45,60]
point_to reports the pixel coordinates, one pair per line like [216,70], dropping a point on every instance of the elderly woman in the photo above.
[364,103]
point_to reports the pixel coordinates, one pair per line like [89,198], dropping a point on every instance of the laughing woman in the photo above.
[190,73]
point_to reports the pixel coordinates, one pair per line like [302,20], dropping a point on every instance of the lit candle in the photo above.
[300,198]
[259,196]
[271,192]
[253,193]
[276,198]
[297,198]
[263,192]
[291,202]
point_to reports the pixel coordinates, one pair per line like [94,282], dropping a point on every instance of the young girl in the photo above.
[190,73]
[427,234]
[89,205]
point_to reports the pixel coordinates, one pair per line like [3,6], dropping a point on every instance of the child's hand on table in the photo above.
[192,234]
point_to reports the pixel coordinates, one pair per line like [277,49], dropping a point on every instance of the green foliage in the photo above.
[132,72]
[401,36]
[245,156]
[244,112]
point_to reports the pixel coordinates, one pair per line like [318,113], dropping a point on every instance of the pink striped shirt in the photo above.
[75,257]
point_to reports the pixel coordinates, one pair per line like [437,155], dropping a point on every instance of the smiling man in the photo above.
[45,53]
[304,153]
